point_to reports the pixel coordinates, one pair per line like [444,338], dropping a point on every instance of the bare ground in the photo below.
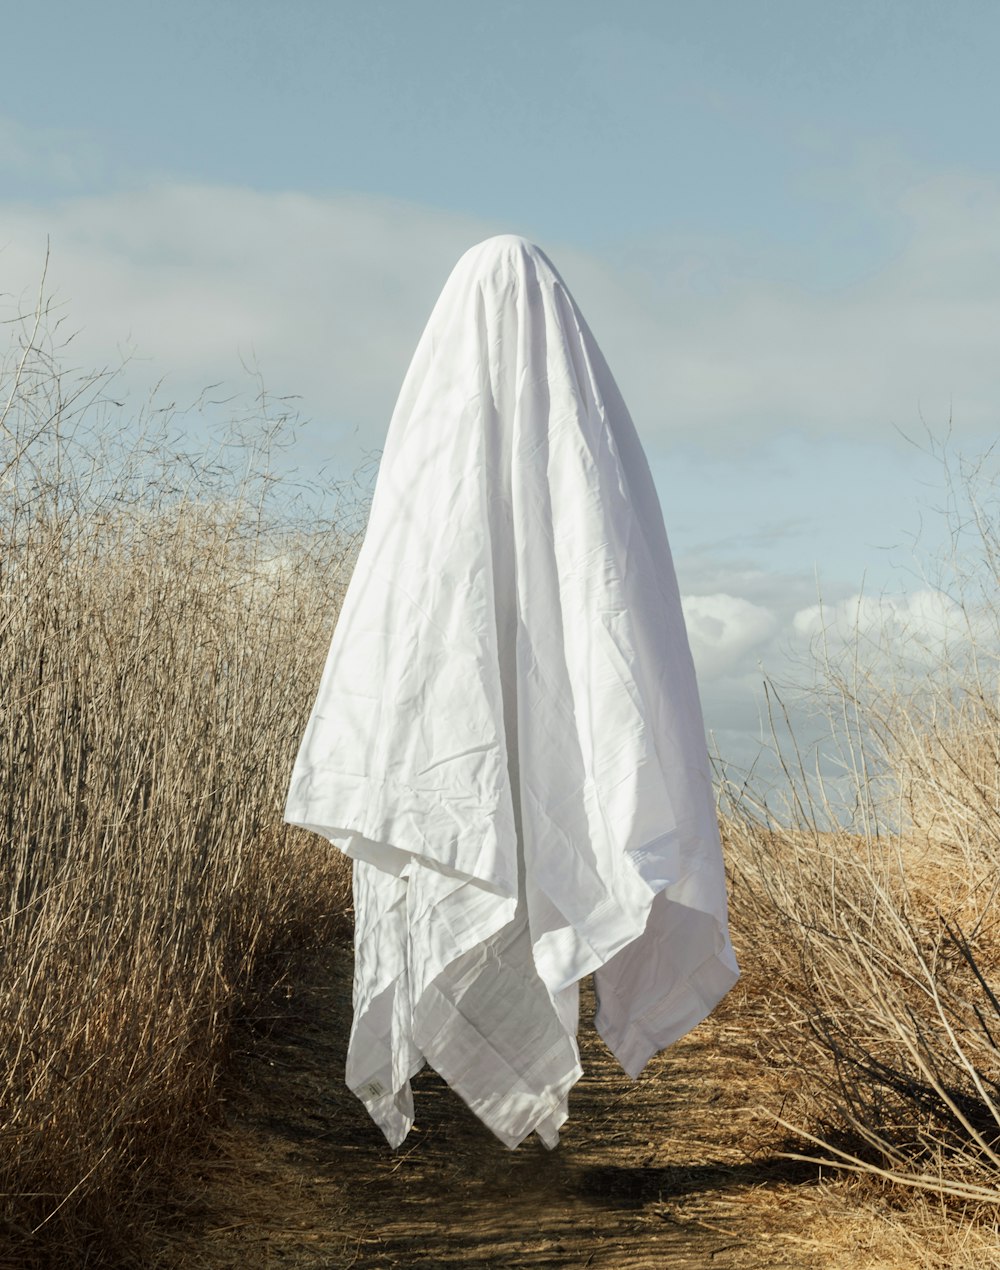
[677,1169]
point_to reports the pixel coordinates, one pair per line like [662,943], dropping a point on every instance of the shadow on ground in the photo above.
[666,1170]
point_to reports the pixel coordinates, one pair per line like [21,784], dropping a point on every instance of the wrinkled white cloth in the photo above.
[507,738]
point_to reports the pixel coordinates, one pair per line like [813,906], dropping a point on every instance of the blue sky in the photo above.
[782,221]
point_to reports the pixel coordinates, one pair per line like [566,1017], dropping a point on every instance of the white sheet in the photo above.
[507,737]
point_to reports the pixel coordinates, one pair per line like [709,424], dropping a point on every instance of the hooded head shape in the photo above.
[507,737]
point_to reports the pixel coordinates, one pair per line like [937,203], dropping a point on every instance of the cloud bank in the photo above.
[328,296]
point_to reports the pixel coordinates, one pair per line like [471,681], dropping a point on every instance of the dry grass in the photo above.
[162,625]
[161,635]
[678,1168]
[873,893]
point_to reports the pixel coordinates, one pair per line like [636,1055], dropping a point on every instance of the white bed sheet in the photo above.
[507,738]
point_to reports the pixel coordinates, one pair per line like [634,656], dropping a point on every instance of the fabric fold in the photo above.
[507,738]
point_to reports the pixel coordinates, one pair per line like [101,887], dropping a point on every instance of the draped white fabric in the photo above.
[507,738]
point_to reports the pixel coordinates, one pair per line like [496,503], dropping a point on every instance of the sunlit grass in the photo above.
[163,620]
[867,878]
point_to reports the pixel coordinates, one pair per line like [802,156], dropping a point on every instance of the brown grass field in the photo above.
[175,995]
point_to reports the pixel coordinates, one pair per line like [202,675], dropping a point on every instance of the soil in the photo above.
[677,1169]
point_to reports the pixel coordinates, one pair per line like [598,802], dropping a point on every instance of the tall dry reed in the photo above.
[163,620]
[867,877]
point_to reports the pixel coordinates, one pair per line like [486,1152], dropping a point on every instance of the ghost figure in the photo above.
[507,739]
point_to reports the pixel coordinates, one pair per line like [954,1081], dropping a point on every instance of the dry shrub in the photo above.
[948,770]
[163,621]
[869,887]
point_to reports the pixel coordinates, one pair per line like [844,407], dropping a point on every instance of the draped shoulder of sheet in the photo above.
[507,739]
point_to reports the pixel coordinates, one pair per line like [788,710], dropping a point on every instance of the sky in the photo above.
[780,218]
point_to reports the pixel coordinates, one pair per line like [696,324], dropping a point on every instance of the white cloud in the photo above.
[896,640]
[326,296]
[923,627]
[753,353]
[724,632]
[329,296]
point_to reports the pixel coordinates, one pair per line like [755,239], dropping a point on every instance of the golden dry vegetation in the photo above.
[175,990]
[161,632]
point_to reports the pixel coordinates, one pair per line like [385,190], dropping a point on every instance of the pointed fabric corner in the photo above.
[507,738]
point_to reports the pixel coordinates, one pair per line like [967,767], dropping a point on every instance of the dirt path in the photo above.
[670,1170]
